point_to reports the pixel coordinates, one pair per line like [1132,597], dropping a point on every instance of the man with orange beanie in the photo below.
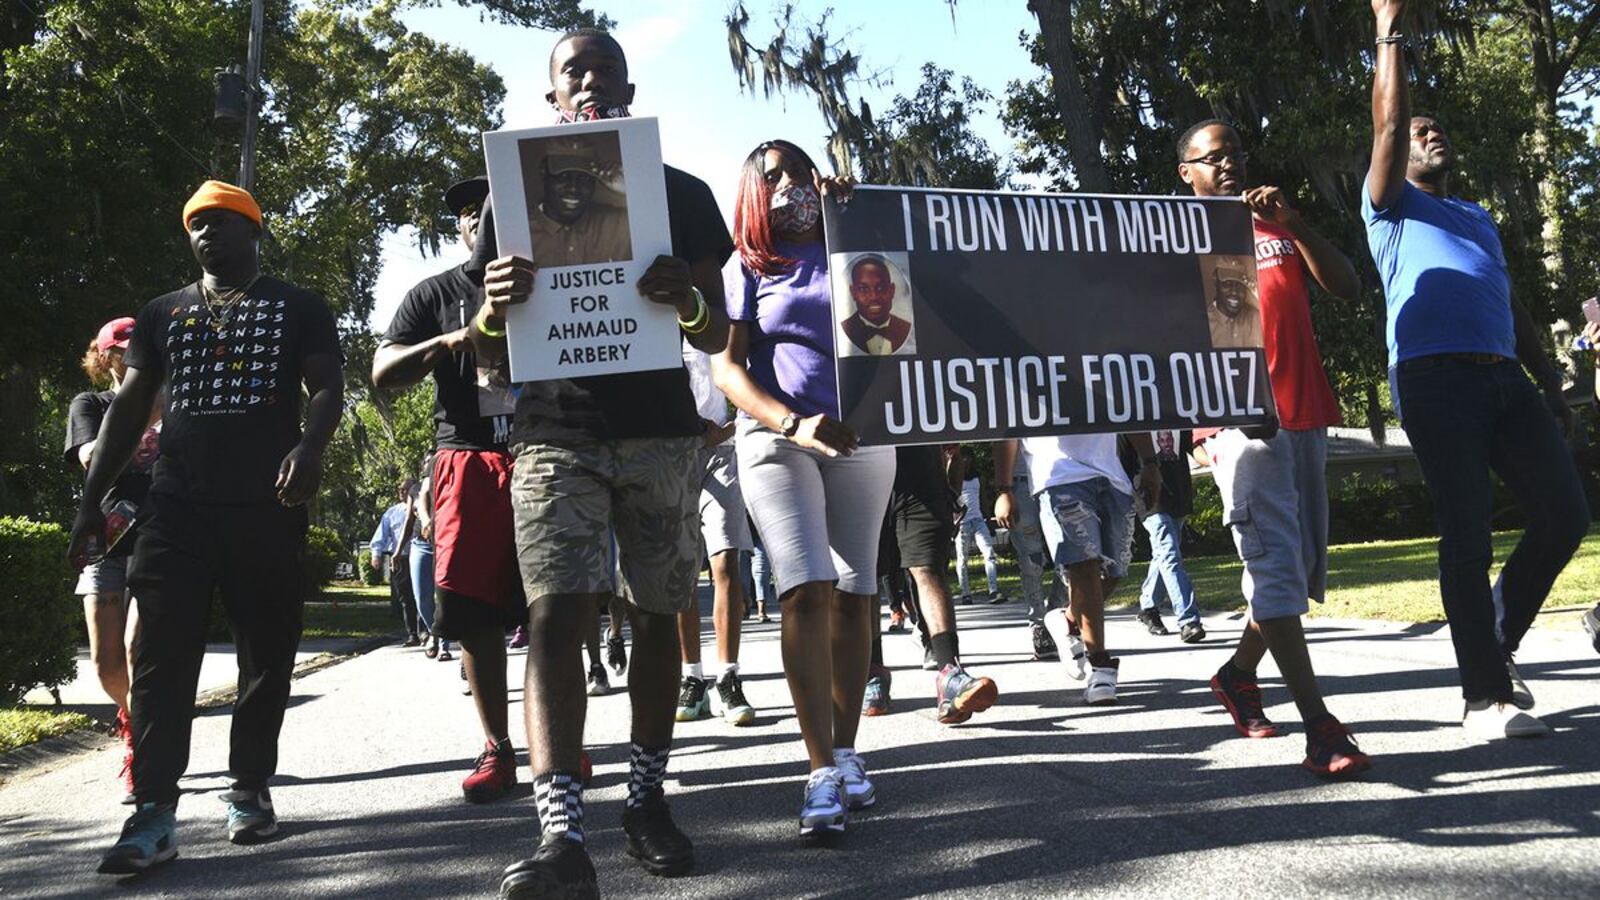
[225,511]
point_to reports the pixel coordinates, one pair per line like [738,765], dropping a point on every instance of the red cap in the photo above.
[115,333]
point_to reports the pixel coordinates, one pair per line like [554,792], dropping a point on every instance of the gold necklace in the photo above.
[220,304]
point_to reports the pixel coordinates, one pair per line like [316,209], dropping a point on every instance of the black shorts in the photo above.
[456,617]
[922,507]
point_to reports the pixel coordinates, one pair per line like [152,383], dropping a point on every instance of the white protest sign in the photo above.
[587,202]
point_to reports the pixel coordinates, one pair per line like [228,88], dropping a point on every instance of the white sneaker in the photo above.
[1074,656]
[822,812]
[1102,687]
[858,790]
[1487,720]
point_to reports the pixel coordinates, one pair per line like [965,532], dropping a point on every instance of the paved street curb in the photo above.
[42,756]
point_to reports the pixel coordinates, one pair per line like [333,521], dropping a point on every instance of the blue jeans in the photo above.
[1167,577]
[422,585]
[1466,419]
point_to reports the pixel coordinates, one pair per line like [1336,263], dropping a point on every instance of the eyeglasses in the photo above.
[1215,160]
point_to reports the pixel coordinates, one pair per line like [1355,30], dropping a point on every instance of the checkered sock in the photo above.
[559,798]
[646,770]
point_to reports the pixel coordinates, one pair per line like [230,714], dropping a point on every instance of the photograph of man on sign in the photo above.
[1231,305]
[577,202]
[878,317]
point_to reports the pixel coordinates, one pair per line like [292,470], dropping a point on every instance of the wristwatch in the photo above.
[789,425]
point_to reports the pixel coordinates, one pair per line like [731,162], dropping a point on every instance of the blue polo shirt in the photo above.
[1444,276]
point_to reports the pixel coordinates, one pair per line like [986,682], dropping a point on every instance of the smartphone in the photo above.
[1591,309]
[119,521]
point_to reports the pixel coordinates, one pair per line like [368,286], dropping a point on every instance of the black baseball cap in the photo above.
[466,192]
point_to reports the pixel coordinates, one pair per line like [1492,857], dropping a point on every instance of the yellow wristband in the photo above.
[490,332]
[702,314]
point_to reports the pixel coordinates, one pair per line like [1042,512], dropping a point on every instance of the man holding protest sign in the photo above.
[1458,342]
[597,455]
[1273,485]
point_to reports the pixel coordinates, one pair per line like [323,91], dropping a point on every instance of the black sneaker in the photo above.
[997,597]
[1151,620]
[1591,624]
[693,703]
[1241,697]
[654,839]
[1191,633]
[736,710]
[559,868]
[617,654]
[1044,646]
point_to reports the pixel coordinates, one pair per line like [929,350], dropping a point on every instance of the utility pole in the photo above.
[252,96]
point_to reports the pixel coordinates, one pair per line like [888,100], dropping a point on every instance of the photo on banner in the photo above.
[587,202]
[983,315]
[874,304]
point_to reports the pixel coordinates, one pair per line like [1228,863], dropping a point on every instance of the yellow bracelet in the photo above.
[490,332]
[702,314]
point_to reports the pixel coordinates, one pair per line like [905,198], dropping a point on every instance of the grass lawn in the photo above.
[349,609]
[29,724]
[1395,580]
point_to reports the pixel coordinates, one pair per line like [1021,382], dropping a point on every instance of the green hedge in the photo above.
[324,552]
[369,576]
[38,643]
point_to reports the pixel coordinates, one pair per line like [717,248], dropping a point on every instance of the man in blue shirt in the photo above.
[1455,341]
[388,541]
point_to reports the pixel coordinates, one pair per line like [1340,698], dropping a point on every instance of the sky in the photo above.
[678,58]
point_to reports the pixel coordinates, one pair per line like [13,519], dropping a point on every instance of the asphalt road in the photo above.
[1155,796]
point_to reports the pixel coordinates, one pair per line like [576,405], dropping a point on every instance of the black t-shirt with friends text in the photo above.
[233,394]
[633,404]
[472,406]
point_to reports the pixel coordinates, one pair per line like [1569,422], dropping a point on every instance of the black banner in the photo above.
[974,316]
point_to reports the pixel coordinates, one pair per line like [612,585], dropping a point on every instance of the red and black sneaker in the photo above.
[493,775]
[124,729]
[585,769]
[1331,750]
[1241,697]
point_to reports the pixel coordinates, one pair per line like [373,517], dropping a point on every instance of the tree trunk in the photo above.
[1084,134]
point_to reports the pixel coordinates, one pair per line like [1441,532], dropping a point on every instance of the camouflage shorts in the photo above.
[569,498]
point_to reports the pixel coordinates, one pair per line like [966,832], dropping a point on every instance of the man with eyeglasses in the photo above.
[478,591]
[1458,342]
[1272,481]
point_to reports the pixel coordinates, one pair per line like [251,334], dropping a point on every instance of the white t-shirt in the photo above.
[1072,458]
[972,497]
[708,398]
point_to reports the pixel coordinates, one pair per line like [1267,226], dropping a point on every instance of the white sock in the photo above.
[694,670]
[723,669]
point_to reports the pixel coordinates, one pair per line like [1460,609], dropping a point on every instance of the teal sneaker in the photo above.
[694,702]
[250,816]
[875,699]
[149,838]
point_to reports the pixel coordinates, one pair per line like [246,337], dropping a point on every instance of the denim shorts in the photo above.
[1096,522]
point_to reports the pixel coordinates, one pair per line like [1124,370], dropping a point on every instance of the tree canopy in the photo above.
[106,128]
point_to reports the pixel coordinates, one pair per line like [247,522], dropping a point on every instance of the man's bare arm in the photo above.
[1391,109]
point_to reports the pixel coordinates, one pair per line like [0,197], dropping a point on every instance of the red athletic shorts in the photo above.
[474,541]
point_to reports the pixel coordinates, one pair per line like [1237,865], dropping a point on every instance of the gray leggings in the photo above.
[819,516]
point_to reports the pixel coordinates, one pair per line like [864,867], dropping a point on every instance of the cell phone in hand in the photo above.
[1591,309]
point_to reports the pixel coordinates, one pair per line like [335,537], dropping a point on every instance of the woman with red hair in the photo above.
[107,607]
[816,497]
